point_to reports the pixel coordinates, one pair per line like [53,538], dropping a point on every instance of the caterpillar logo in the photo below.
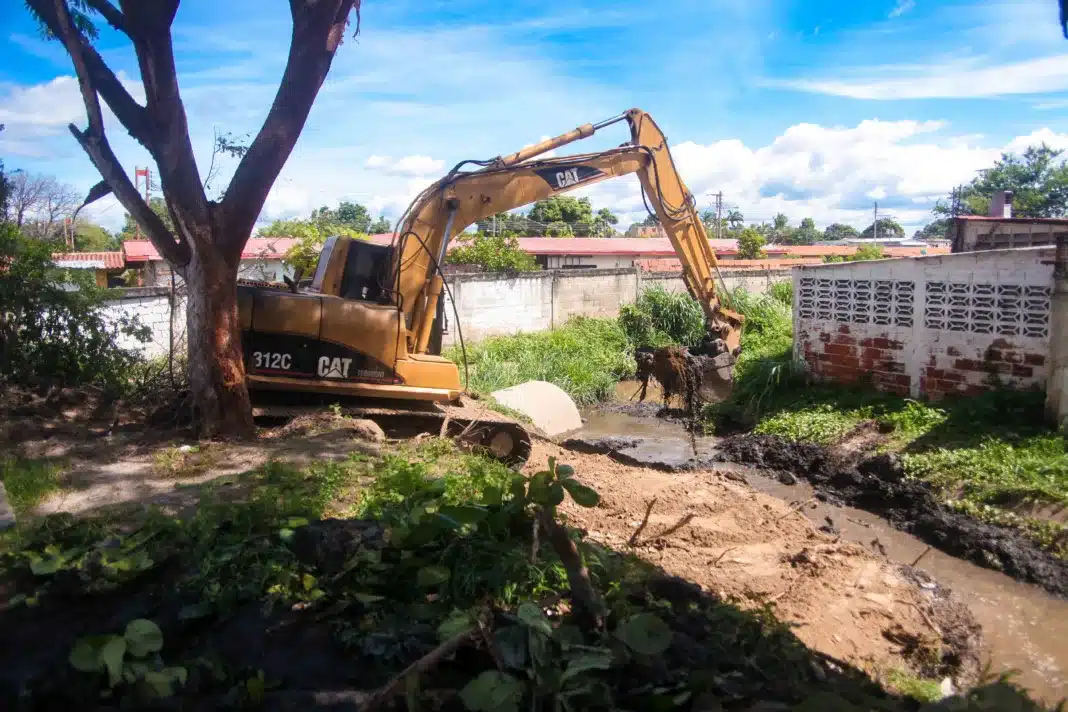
[563,177]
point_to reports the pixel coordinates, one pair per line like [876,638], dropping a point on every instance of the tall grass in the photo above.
[765,367]
[585,357]
[662,318]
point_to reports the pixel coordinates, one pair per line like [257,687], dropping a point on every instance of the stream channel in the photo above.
[1024,628]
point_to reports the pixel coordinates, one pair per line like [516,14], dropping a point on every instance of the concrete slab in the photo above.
[7,514]
[547,405]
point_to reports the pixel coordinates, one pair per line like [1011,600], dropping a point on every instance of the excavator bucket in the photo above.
[733,329]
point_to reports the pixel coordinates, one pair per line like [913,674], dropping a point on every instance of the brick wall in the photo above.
[952,324]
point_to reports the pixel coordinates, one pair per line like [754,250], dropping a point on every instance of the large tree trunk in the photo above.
[216,368]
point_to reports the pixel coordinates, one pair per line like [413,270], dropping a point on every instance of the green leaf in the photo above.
[464,514]
[85,655]
[556,494]
[587,660]
[431,576]
[492,691]
[162,682]
[296,522]
[519,487]
[565,471]
[492,496]
[285,535]
[46,565]
[645,634]
[538,490]
[584,496]
[111,654]
[143,637]
[511,643]
[533,617]
[308,581]
[366,598]
[456,623]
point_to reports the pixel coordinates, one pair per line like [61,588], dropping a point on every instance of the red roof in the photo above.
[89,260]
[1024,221]
[672,264]
[257,248]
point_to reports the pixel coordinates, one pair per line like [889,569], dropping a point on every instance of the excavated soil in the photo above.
[755,550]
[878,484]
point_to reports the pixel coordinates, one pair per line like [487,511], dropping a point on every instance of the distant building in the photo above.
[1000,230]
[107,267]
[262,259]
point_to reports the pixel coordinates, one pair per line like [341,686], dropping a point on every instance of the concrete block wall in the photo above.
[151,306]
[597,293]
[949,324]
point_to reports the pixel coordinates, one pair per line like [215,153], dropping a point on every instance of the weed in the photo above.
[585,357]
[663,318]
[820,424]
[910,685]
[28,482]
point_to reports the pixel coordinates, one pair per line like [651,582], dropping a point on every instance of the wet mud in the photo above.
[878,484]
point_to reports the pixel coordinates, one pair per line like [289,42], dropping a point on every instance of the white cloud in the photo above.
[902,7]
[376,161]
[831,174]
[1051,105]
[957,80]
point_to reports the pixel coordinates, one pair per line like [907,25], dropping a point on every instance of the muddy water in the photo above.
[1024,628]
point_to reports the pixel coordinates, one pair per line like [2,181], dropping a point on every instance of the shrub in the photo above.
[52,329]
[585,357]
[663,318]
[493,253]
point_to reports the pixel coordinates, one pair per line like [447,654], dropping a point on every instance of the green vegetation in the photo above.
[863,253]
[241,592]
[662,318]
[585,357]
[28,482]
[51,334]
[751,245]
[493,253]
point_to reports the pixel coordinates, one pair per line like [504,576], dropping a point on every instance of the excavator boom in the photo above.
[461,198]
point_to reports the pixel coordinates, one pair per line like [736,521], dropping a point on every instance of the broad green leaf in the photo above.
[464,514]
[85,655]
[587,660]
[296,522]
[366,598]
[645,634]
[552,464]
[583,495]
[143,637]
[533,617]
[431,576]
[456,623]
[565,471]
[47,565]
[492,691]
[519,487]
[492,497]
[285,535]
[511,643]
[111,654]
[556,494]
[308,581]
[162,682]
[539,487]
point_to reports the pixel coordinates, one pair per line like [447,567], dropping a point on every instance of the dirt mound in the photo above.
[878,484]
[754,550]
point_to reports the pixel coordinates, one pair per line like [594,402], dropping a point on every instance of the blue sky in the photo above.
[810,108]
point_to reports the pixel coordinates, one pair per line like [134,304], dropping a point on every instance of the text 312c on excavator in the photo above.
[368,328]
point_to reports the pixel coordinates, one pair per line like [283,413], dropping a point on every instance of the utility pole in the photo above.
[876,223]
[147,175]
[719,214]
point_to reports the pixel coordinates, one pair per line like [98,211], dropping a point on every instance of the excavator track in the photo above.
[468,422]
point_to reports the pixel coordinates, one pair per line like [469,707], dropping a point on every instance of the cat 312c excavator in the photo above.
[368,329]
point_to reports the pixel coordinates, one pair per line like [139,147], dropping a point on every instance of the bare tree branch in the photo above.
[109,12]
[129,112]
[318,28]
[149,27]
[72,40]
[107,164]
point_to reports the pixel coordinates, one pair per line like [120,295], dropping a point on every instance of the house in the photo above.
[107,267]
[1000,230]
[261,259]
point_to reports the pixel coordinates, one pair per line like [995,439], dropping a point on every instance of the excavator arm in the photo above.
[461,198]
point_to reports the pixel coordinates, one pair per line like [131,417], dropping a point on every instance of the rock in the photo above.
[367,430]
[787,478]
[546,404]
[7,515]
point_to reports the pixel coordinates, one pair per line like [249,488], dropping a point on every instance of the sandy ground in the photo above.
[754,549]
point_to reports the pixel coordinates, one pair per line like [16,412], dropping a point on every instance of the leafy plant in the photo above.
[493,253]
[663,318]
[130,659]
[52,329]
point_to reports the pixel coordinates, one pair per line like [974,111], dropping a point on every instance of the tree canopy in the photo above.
[558,216]
[751,245]
[934,230]
[1038,180]
[839,231]
[888,228]
[131,230]
[493,253]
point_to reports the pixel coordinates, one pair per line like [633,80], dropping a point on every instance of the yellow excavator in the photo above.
[368,328]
